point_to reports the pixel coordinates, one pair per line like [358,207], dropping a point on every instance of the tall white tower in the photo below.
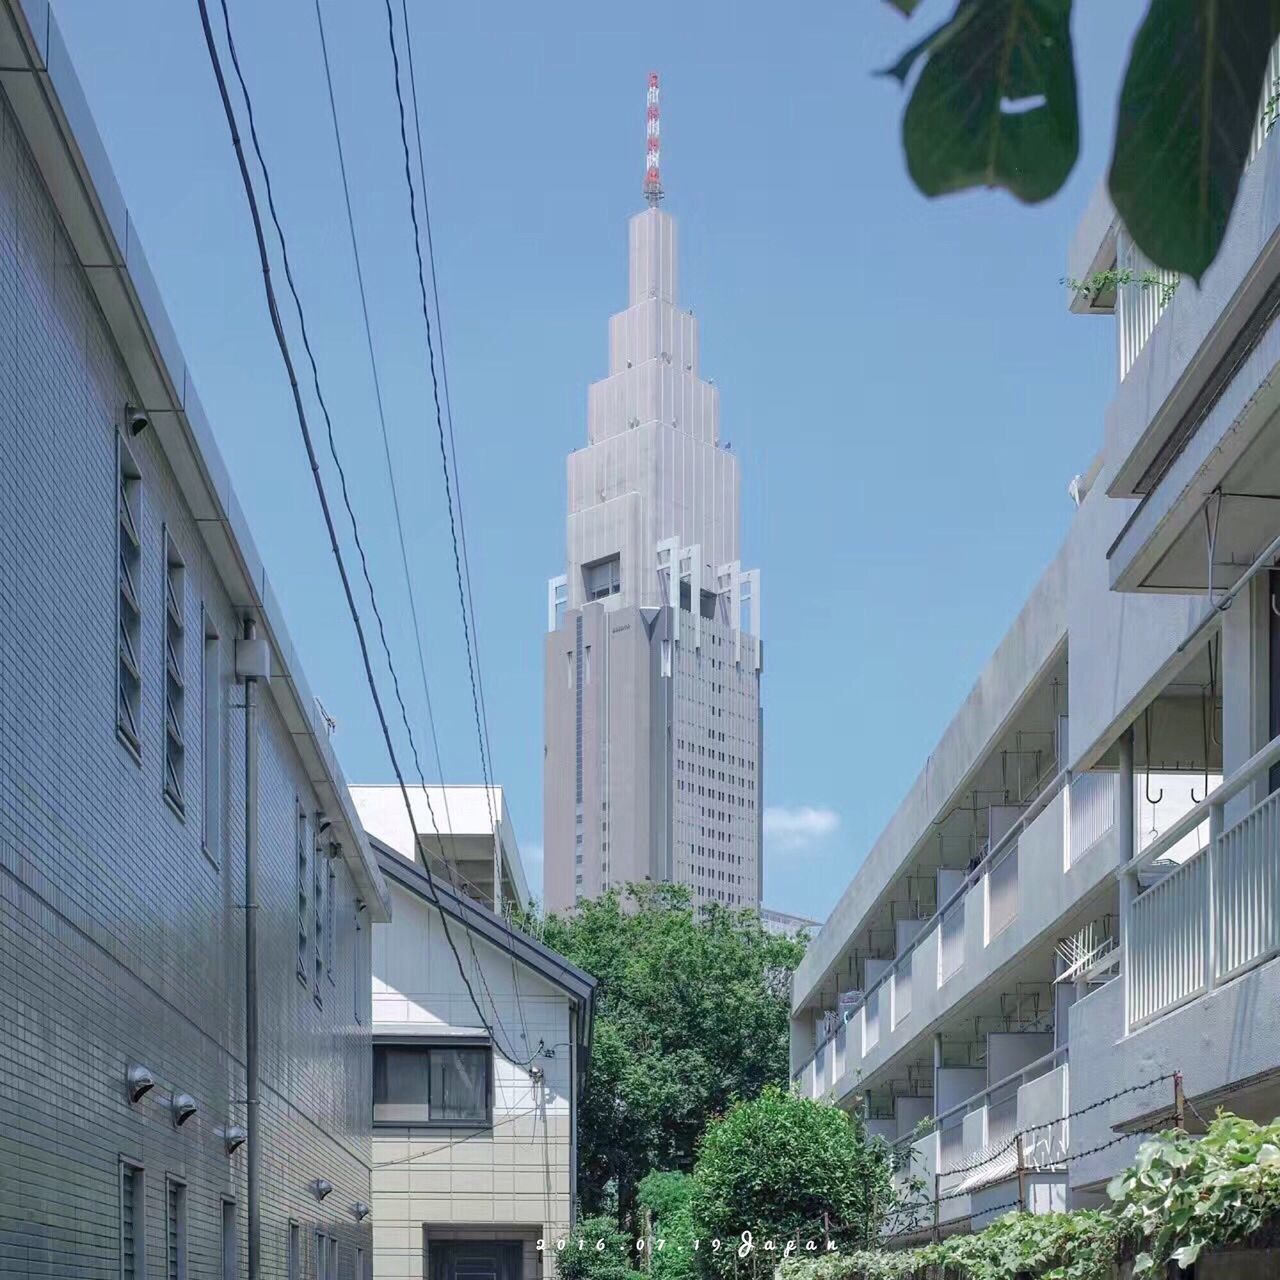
[652,766]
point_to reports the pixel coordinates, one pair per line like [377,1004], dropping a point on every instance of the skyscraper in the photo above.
[652,765]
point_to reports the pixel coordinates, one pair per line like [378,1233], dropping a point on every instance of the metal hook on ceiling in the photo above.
[1146,726]
[1204,731]
[1215,736]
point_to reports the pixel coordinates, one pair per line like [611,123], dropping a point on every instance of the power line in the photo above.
[283,344]
[466,601]
[386,450]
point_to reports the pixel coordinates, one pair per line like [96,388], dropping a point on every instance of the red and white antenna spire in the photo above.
[652,182]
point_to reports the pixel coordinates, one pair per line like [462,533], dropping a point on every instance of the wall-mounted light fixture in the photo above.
[184,1107]
[321,1187]
[235,1137]
[361,1210]
[139,1080]
[137,419]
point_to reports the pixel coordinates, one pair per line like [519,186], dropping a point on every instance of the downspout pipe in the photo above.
[253,663]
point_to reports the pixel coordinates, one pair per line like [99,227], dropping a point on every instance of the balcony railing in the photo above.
[1214,916]
[890,999]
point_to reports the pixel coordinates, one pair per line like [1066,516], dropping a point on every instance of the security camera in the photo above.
[139,1081]
[137,419]
[235,1137]
[184,1107]
[361,1210]
[321,1187]
[325,824]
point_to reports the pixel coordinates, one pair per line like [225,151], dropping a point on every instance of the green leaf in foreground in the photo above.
[1188,110]
[995,104]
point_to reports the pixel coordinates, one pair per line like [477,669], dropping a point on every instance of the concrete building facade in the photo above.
[653,656]
[127,578]
[475,1119]
[1069,932]
[465,831]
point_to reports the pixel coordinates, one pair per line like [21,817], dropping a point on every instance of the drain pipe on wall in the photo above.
[253,663]
[1127,827]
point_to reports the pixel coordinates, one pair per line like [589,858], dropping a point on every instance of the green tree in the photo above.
[994,104]
[666,1199]
[597,1250]
[775,1165]
[691,1016]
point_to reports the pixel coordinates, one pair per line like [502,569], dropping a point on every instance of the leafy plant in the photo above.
[776,1165]
[1181,1196]
[667,1199]
[692,1015]
[995,105]
[1108,281]
[1183,1193]
[597,1250]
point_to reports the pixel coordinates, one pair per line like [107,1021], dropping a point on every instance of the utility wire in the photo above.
[386,443]
[466,601]
[333,452]
[313,460]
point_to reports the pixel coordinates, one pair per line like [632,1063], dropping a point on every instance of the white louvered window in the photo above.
[317,888]
[303,873]
[330,897]
[129,602]
[175,682]
[133,1236]
[175,1230]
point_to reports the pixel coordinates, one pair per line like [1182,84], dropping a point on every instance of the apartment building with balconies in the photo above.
[1067,934]
[157,738]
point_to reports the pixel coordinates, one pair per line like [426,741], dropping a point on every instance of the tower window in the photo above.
[603,579]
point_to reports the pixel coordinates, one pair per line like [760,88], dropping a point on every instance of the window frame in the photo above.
[128,564]
[301,844]
[173,666]
[212,809]
[135,1169]
[426,1044]
[175,1222]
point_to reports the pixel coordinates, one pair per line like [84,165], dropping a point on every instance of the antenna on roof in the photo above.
[652,183]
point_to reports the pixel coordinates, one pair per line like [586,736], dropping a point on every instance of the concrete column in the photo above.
[1245,686]
[1128,843]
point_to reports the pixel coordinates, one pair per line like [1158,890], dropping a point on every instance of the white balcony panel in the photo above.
[1002,893]
[1093,811]
[1168,937]
[1246,891]
[902,989]
[951,941]
[871,1021]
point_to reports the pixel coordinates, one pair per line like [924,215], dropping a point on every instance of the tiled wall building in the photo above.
[126,577]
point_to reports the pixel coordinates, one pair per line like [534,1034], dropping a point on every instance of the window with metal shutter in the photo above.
[132,1223]
[175,1230]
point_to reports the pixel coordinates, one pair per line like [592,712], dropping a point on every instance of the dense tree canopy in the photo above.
[776,1165]
[691,1017]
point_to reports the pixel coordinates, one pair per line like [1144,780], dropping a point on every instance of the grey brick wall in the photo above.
[120,937]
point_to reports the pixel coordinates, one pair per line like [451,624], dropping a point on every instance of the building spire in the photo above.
[652,183]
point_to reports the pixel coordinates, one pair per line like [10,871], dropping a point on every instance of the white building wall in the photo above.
[511,1182]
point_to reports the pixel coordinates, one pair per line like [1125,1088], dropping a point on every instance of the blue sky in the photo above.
[901,379]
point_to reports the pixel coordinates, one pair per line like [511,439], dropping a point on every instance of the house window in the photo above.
[174,678]
[293,1257]
[211,741]
[432,1084]
[301,854]
[133,1227]
[129,604]
[175,1229]
[360,1264]
[603,579]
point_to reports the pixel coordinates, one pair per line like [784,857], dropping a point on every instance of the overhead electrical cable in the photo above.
[308,442]
[466,599]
